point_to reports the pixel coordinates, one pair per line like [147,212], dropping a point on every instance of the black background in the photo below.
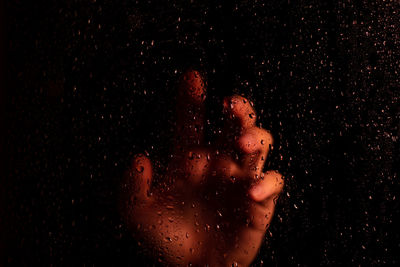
[90,83]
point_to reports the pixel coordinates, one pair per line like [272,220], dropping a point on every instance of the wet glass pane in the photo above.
[190,85]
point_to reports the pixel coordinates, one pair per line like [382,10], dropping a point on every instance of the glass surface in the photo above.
[91,84]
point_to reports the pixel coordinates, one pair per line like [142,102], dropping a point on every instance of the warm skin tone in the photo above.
[215,203]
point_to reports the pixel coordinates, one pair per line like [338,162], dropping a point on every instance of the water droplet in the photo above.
[275,199]
[139,169]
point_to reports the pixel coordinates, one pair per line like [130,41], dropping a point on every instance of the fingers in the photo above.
[268,188]
[190,109]
[138,179]
[240,111]
[252,142]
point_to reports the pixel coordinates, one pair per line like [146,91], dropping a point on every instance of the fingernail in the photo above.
[139,168]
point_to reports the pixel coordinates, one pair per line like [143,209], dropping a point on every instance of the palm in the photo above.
[215,204]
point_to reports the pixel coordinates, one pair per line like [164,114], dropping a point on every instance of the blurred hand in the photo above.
[215,203]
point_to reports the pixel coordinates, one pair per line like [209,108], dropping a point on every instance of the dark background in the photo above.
[90,83]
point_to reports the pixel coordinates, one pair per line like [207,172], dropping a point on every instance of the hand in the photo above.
[215,203]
